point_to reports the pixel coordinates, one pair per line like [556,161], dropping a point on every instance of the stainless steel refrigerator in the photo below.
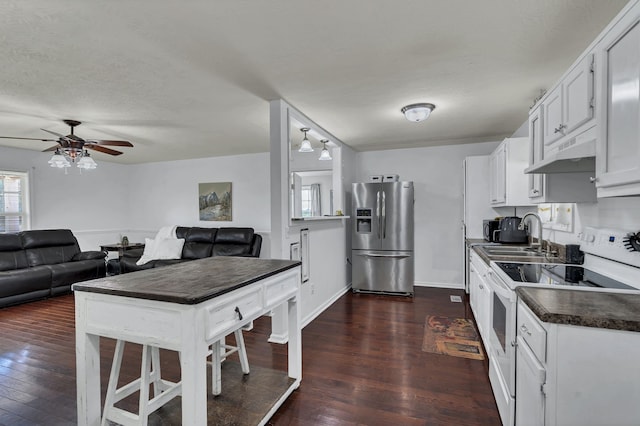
[382,237]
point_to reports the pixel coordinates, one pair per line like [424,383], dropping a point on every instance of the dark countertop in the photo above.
[616,311]
[189,282]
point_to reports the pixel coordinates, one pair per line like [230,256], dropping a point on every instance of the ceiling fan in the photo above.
[75,146]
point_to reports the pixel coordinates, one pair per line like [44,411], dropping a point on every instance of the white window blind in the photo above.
[14,202]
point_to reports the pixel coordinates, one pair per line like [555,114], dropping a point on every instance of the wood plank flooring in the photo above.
[362,365]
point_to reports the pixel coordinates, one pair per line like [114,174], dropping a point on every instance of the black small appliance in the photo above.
[508,231]
[489,226]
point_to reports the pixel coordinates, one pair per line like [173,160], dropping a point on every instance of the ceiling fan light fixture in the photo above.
[305,146]
[59,161]
[325,155]
[418,112]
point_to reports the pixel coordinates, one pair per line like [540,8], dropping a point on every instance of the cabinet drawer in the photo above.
[225,317]
[280,289]
[530,329]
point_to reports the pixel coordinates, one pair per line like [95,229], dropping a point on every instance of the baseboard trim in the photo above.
[440,285]
[284,337]
[313,315]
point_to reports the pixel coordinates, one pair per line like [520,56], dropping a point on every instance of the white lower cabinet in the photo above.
[530,380]
[572,375]
[479,295]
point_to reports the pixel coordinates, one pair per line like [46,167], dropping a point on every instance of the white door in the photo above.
[530,379]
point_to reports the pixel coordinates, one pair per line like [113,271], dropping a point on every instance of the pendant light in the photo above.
[417,112]
[59,161]
[86,162]
[324,154]
[305,146]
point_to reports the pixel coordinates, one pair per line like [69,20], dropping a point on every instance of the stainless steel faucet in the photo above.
[522,226]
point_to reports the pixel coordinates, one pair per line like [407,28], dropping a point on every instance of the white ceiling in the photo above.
[188,79]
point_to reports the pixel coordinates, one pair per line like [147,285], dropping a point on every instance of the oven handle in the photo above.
[499,286]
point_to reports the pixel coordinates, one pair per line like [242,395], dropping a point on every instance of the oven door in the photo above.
[502,343]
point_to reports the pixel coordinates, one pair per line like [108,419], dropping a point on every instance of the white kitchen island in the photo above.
[185,308]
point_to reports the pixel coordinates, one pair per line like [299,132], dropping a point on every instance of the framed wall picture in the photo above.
[215,201]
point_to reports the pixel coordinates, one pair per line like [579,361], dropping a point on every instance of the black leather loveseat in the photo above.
[43,263]
[200,243]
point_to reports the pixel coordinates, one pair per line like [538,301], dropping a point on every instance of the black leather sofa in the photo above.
[43,263]
[200,243]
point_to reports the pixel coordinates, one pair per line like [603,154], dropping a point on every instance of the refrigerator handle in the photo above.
[378,212]
[384,215]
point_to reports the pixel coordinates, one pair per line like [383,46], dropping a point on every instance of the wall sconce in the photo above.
[305,146]
[417,112]
[324,154]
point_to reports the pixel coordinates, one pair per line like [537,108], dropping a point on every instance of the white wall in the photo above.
[620,213]
[328,267]
[92,204]
[166,193]
[101,205]
[438,181]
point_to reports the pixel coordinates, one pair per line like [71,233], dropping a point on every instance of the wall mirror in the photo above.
[316,187]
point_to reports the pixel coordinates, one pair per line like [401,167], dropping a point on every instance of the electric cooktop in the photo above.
[559,274]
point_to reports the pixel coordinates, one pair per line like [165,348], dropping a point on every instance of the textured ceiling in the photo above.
[188,79]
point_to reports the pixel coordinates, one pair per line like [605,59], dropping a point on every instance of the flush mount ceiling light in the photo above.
[417,112]
[305,146]
[324,154]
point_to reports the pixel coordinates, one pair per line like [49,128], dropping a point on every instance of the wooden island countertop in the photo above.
[198,280]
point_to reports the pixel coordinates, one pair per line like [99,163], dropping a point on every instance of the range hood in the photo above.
[575,155]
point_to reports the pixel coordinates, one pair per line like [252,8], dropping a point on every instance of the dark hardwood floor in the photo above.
[362,365]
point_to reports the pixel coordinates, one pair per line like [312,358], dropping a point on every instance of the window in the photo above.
[14,202]
[306,201]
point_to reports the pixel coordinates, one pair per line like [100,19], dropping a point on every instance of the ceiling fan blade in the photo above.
[29,139]
[102,149]
[53,148]
[54,133]
[109,142]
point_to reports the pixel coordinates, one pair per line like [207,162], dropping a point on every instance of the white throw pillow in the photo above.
[161,249]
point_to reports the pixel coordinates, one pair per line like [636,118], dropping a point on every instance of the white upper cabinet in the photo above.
[552,106]
[569,106]
[536,152]
[577,91]
[554,187]
[618,146]
[507,182]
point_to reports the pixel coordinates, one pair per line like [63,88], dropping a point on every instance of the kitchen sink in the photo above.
[515,251]
[509,249]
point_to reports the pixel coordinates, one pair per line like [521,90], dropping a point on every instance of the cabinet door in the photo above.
[474,291]
[498,165]
[552,124]
[484,307]
[577,92]
[530,379]
[493,184]
[536,153]
[619,143]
